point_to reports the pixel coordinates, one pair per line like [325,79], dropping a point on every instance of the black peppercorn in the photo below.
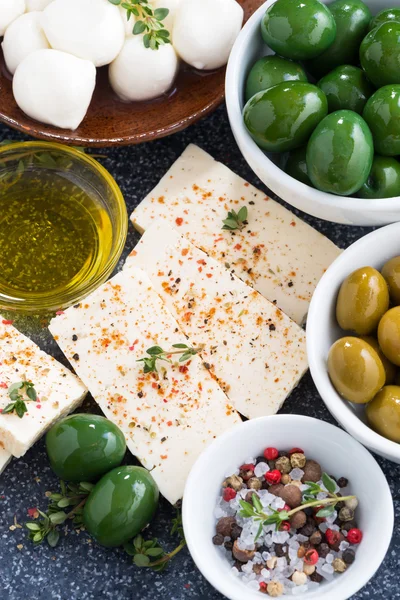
[74,338]
[349,525]
[236,531]
[279,551]
[316,577]
[238,565]
[283,454]
[228,546]
[308,528]
[349,556]
[218,540]
[260,459]
[316,538]
[271,464]
[76,356]
[323,550]
[343,482]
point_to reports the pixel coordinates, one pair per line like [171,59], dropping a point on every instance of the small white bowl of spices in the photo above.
[287,506]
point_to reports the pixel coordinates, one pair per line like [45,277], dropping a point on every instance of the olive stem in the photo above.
[169,556]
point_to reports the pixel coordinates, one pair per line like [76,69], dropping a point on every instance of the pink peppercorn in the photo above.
[273,477]
[354,536]
[229,494]
[249,467]
[271,453]
[295,451]
[311,557]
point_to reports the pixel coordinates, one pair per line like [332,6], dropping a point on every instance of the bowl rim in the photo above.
[335,404]
[261,161]
[43,304]
[208,457]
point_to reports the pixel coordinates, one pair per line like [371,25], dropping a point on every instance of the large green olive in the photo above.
[298,29]
[391,273]
[385,16]
[121,504]
[352,18]
[283,117]
[383,413]
[363,299]
[296,165]
[380,54]
[355,369]
[389,335]
[382,113]
[346,87]
[84,447]
[383,180]
[271,70]
[340,153]
[390,369]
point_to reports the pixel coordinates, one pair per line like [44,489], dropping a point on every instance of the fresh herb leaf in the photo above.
[157,353]
[20,392]
[329,483]
[326,511]
[236,220]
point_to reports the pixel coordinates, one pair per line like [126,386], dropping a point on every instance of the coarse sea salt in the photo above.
[343,546]
[253,585]
[296,474]
[301,589]
[261,469]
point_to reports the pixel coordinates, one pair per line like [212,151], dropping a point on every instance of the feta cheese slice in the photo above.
[167,418]
[277,253]
[256,353]
[59,391]
[5,458]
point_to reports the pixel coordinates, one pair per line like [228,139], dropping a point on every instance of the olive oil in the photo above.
[54,234]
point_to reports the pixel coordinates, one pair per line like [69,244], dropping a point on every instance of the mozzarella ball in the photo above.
[128,25]
[89,29]
[54,87]
[36,4]
[9,11]
[23,36]
[205,31]
[139,73]
[172,6]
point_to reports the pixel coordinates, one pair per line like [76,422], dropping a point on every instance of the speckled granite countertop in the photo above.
[79,569]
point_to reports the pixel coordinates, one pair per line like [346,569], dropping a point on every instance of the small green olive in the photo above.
[271,70]
[296,165]
[391,272]
[355,369]
[383,413]
[363,299]
[384,16]
[390,369]
[389,335]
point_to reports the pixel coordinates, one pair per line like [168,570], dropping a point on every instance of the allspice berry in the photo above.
[297,460]
[339,565]
[312,471]
[275,589]
[218,540]
[283,465]
[235,482]
[291,494]
[242,555]
[276,489]
[254,483]
[225,525]
[298,520]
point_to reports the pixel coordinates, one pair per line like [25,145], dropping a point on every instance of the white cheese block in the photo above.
[168,419]
[59,391]
[276,253]
[256,353]
[5,458]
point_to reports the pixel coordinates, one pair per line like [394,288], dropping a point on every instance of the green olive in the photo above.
[355,369]
[271,70]
[298,29]
[390,369]
[391,272]
[120,505]
[296,165]
[384,16]
[363,299]
[389,335]
[346,87]
[84,447]
[383,413]
[380,54]
[383,180]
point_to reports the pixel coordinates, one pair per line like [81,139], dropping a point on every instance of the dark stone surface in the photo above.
[79,569]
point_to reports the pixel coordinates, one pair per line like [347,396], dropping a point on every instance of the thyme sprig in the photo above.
[20,393]
[72,496]
[276,517]
[236,220]
[150,22]
[148,553]
[157,353]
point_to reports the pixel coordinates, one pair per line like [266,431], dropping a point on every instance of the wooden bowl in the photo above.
[111,122]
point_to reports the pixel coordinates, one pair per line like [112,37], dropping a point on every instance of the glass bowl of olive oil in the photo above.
[63,226]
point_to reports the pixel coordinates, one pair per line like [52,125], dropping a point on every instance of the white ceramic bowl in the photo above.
[373,250]
[248,47]
[338,453]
